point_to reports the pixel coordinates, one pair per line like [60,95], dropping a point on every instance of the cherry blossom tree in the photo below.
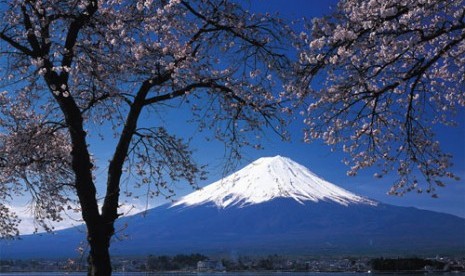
[376,77]
[71,68]
[380,76]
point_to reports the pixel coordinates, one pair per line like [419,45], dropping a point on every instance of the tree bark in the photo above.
[99,256]
[99,231]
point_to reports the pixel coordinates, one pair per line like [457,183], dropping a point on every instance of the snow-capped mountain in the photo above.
[266,179]
[273,205]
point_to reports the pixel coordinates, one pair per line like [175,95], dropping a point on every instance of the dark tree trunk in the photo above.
[99,256]
[100,232]
[99,228]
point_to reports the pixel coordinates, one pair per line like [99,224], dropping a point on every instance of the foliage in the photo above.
[177,262]
[384,75]
[271,262]
[404,264]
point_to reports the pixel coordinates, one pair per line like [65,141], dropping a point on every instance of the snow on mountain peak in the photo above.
[268,178]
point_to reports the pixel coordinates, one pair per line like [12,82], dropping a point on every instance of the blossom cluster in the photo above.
[392,71]
[34,161]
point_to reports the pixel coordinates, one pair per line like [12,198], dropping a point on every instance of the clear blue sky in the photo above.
[318,157]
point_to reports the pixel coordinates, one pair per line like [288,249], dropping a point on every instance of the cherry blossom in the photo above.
[380,76]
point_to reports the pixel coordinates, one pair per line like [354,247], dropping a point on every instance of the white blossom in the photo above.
[392,70]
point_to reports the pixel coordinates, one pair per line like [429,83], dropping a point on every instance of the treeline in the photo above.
[242,263]
[6,262]
[177,262]
[270,262]
[405,264]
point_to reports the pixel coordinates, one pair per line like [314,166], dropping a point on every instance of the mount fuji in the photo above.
[273,205]
[267,179]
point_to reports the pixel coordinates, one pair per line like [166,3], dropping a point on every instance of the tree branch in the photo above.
[16,45]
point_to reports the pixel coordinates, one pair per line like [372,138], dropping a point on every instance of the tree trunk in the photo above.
[99,228]
[99,256]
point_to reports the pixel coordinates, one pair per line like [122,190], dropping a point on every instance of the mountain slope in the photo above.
[274,205]
[268,178]
[286,226]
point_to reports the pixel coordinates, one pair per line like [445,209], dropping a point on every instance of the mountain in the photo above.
[267,179]
[273,205]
